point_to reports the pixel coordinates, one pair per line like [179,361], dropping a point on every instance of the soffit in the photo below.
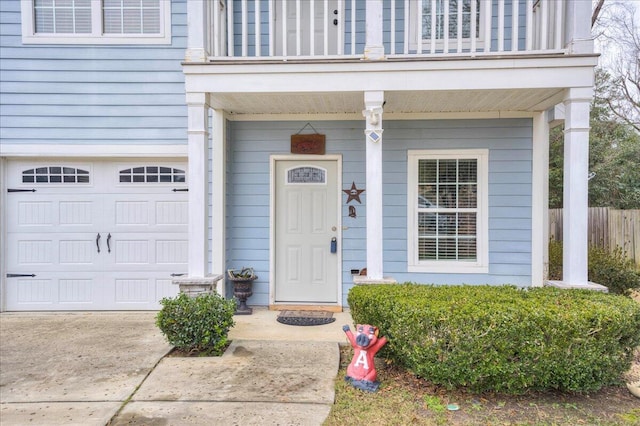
[397,102]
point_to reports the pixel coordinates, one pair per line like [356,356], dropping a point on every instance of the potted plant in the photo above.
[242,287]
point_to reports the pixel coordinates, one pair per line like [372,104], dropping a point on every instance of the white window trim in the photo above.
[29,35]
[453,41]
[481,265]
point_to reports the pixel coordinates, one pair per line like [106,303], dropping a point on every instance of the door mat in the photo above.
[305,318]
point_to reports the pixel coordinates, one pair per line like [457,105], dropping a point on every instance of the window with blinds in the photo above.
[131,16]
[447,210]
[96,22]
[63,16]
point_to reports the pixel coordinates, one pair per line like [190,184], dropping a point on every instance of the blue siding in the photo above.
[91,94]
[509,142]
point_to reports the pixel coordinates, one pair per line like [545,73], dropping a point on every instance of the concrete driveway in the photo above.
[109,368]
[73,368]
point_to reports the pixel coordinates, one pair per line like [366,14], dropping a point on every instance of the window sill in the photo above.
[451,268]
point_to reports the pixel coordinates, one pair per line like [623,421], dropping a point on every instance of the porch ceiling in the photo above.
[397,102]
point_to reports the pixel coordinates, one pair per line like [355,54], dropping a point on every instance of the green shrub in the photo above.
[555,260]
[611,268]
[199,324]
[501,338]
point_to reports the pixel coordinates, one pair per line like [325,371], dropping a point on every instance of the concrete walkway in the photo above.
[110,368]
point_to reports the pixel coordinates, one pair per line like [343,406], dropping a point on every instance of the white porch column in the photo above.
[373,49]
[373,139]
[218,199]
[198,144]
[540,200]
[576,186]
[197,12]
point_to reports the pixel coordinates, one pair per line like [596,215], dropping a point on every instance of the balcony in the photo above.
[490,58]
[329,30]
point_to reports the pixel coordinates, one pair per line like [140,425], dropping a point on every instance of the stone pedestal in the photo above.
[194,286]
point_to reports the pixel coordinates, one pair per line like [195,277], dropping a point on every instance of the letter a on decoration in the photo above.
[361,372]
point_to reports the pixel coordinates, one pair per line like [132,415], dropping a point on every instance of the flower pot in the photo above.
[242,289]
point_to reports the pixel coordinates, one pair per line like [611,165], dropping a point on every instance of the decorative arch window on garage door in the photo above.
[55,174]
[152,174]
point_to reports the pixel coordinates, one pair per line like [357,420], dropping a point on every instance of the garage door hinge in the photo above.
[20,275]
[20,190]
[180,189]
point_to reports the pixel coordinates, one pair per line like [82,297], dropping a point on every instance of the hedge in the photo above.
[501,338]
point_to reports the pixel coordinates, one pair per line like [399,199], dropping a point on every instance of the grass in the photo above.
[404,399]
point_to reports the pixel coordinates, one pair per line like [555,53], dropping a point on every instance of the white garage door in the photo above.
[94,235]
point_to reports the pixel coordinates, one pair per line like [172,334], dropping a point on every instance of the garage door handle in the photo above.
[98,242]
[20,275]
[20,190]
[109,243]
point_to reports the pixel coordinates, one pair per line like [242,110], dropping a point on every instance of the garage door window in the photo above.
[55,174]
[152,174]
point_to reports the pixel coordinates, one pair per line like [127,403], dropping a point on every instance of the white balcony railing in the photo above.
[290,29]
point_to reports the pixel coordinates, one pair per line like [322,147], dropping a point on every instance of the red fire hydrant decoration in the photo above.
[361,372]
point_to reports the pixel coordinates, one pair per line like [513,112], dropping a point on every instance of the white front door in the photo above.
[307,219]
[301,19]
[94,235]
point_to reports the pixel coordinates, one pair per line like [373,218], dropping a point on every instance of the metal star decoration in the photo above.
[353,193]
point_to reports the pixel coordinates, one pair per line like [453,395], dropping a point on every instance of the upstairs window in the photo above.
[96,21]
[447,19]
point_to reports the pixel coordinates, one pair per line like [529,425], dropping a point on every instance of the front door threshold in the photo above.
[285,307]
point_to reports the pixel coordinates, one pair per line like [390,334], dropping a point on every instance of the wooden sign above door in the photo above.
[308,144]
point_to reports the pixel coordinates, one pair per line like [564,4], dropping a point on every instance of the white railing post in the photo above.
[341,27]
[298,27]
[393,27]
[445,29]
[272,29]
[284,28]
[353,27]
[544,25]
[258,30]
[578,37]
[487,26]
[312,27]
[529,20]
[474,9]
[197,42]
[514,25]
[374,48]
[230,47]
[500,25]
[245,26]
[325,37]
[460,25]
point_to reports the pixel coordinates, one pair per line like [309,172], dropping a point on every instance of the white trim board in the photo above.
[68,150]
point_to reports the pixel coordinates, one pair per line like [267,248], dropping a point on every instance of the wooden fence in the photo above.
[607,228]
